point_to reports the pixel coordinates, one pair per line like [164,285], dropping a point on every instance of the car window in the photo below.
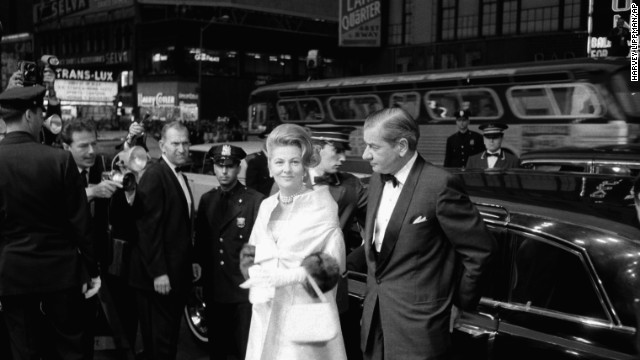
[614,169]
[547,276]
[557,166]
[200,164]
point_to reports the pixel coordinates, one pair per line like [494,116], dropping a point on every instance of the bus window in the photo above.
[481,102]
[409,101]
[353,107]
[564,100]
[300,110]
[257,118]
[630,101]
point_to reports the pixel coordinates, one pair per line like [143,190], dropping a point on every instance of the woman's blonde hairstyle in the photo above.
[293,135]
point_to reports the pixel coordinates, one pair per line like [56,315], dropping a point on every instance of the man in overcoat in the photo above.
[225,219]
[426,246]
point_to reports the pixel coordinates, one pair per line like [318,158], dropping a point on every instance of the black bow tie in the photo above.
[490,154]
[389,177]
[326,179]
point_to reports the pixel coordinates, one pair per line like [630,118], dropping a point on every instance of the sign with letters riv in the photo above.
[360,23]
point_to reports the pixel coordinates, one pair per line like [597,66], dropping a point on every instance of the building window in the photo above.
[489,17]
[448,19]
[572,14]
[510,17]
[539,18]
[468,19]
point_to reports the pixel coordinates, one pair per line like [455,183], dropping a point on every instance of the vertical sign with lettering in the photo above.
[603,19]
[360,23]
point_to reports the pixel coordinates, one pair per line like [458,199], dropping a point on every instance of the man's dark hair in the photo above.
[74,126]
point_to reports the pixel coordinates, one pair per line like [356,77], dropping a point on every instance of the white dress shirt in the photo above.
[388,202]
[183,183]
[491,160]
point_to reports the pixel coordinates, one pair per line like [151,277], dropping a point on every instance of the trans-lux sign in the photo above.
[90,75]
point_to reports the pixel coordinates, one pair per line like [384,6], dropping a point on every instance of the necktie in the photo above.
[325,179]
[83,175]
[389,177]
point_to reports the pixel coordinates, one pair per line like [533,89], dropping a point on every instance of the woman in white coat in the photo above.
[296,231]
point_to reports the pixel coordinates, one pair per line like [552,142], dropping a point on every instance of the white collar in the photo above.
[403,173]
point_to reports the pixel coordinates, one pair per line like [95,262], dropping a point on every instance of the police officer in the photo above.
[463,143]
[332,141]
[225,218]
[46,256]
[494,157]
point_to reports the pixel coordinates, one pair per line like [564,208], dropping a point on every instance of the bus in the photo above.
[580,102]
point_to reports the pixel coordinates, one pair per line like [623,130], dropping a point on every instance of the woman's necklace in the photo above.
[289,199]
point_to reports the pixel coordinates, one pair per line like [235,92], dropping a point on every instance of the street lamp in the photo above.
[213,20]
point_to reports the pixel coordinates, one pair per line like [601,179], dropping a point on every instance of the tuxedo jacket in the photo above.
[164,244]
[45,242]
[223,226]
[434,251]
[258,173]
[505,161]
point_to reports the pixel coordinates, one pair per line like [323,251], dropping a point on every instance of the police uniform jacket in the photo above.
[44,219]
[460,146]
[505,161]
[223,225]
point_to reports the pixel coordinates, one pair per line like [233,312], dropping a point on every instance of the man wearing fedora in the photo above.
[463,143]
[494,157]
[331,142]
[224,222]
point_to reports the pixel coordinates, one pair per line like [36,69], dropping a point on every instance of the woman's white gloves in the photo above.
[259,276]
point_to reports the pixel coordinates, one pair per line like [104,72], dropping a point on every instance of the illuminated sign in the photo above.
[604,18]
[79,90]
[57,8]
[77,74]
[158,99]
[360,23]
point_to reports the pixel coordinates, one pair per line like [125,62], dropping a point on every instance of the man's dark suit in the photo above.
[223,226]
[258,173]
[505,161]
[164,246]
[423,266]
[45,248]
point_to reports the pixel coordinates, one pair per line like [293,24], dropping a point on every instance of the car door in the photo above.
[554,308]
[474,331]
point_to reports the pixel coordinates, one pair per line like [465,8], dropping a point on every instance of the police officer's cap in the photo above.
[227,154]
[493,130]
[337,135]
[21,99]
[463,114]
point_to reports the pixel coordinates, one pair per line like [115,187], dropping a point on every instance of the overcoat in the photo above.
[433,253]
[312,227]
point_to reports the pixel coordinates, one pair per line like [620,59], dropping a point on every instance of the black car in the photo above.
[565,281]
[606,159]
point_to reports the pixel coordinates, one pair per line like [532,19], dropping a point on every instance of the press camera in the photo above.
[128,166]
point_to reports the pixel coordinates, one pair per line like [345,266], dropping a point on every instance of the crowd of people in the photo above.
[74,237]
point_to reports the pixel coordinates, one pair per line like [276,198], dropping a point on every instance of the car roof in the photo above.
[249,147]
[609,152]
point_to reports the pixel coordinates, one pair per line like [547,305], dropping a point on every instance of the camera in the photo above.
[40,73]
[127,167]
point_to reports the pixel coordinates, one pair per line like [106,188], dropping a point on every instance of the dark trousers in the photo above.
[228,329]
[160,317]
[23,315]
[89,320]
[123,299]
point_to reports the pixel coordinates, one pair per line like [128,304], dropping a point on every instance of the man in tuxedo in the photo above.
[161,267]
[331,142]
[426,245]
[46,255]
[493,157]
[225,219]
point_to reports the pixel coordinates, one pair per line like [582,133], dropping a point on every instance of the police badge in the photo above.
[240,222]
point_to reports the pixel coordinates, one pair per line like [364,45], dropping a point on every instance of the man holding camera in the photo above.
[161,268]
[46,255]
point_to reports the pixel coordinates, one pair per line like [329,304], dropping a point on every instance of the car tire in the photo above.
[194,313]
